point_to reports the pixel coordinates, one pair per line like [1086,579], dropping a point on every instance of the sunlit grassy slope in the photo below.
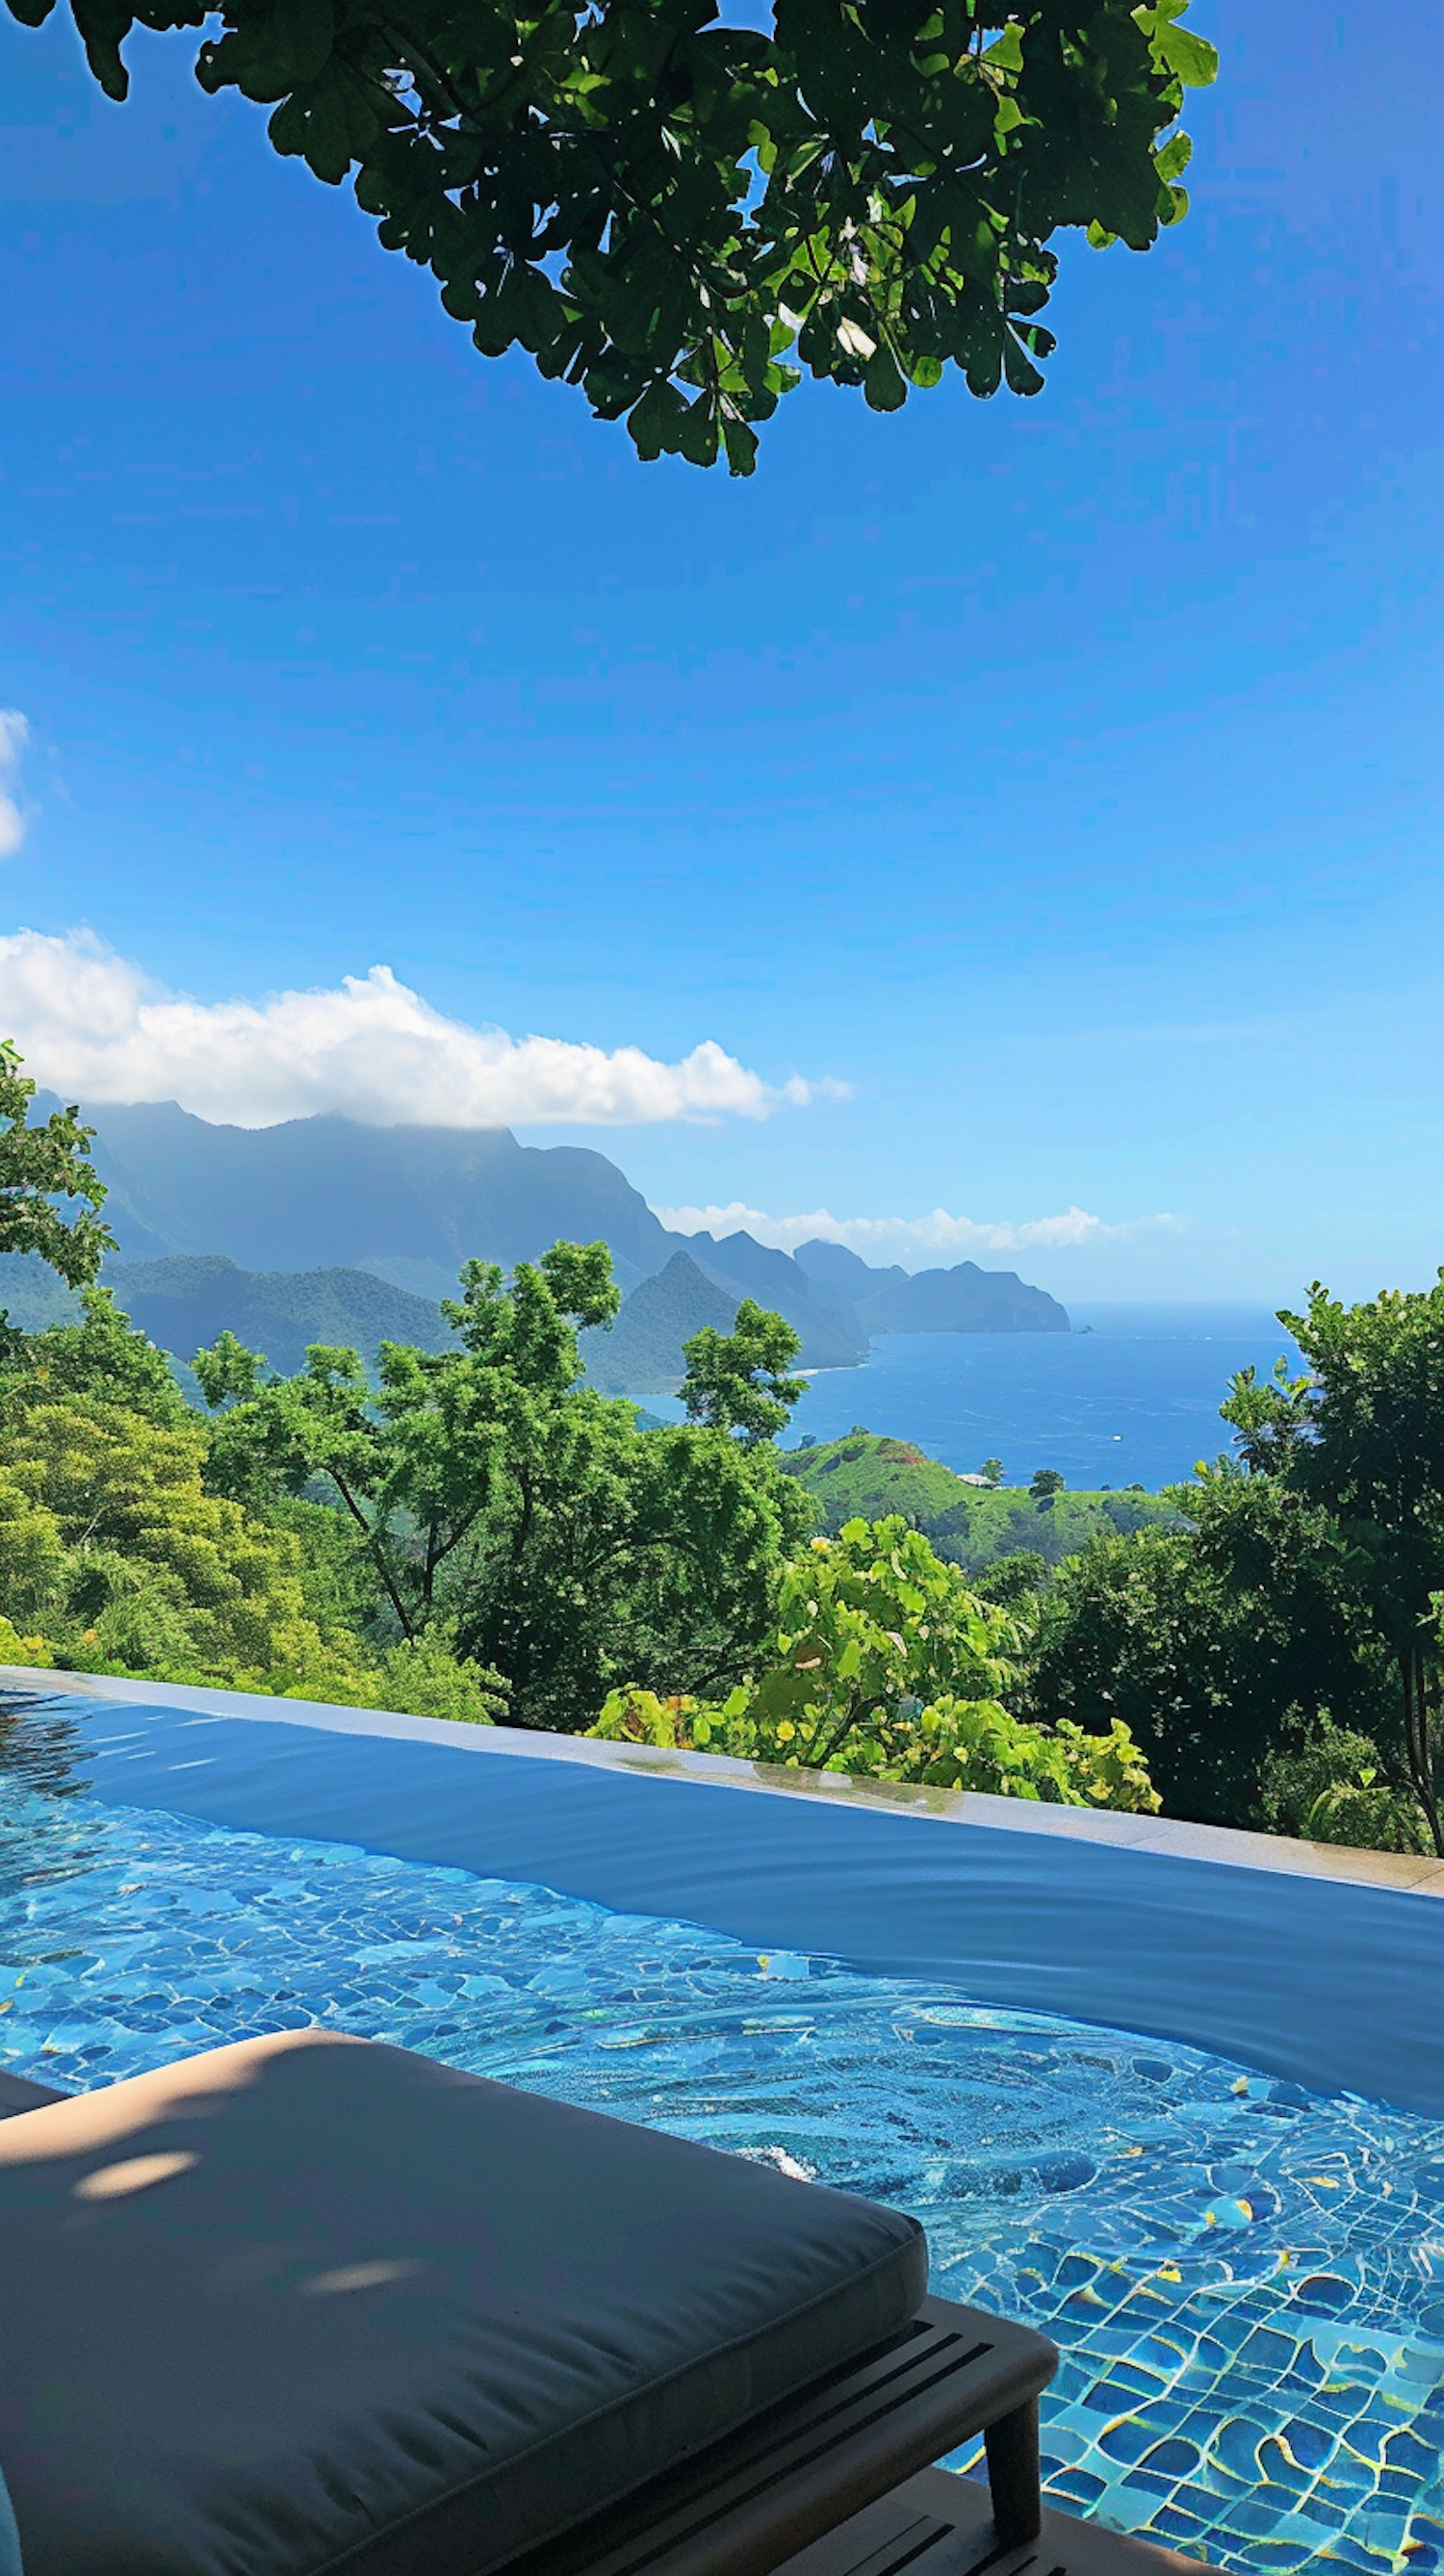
[865,1476]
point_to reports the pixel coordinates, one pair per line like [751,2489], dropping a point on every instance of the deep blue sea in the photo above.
[1132,1401]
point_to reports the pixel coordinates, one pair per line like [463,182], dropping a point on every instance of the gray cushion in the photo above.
[309,2303]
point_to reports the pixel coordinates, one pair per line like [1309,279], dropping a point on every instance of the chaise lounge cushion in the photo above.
[312,2304]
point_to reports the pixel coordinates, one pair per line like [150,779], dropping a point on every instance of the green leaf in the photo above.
[883,386]
[697,434]
[1023,377]
[673,198]
[741,445]
[1006,51]
[327,145]
[1190,58]
[102,26]
[1174,158]
[655,421]
[273,47]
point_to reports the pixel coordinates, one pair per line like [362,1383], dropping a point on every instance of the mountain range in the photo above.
[322,1229]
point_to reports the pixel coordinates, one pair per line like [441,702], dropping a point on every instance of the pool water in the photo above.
[1247,2281]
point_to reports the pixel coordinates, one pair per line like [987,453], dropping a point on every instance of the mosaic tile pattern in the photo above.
[1247,2282]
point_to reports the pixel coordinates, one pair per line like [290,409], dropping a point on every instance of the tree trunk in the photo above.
[378,1553]
[1419,1751]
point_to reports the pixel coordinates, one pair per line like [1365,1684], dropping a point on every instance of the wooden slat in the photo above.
[745,2504]
[936,2524]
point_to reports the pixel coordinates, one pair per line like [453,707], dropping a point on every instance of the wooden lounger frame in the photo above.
[839,2481]
[939,2525]
[744,2505]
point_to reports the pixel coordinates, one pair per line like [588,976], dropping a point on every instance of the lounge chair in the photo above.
[310,2306]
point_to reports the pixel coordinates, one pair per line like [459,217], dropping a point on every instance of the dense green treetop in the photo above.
[1296,1615]
[115,1558]
[423,1452]
[1215,1648]
[1359,1440]
[38,1165]
[523,1514]
[681,215]
[738,1381]
[100,1358]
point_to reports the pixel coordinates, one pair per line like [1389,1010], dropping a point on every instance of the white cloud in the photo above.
[95,1027]
[14,735]
[917,1242]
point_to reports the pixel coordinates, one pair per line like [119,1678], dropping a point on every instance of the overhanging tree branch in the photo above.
[891,175]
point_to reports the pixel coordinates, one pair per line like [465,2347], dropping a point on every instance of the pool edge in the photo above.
[1163,1837]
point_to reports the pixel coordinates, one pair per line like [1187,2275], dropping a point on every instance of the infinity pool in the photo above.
[1247,2280]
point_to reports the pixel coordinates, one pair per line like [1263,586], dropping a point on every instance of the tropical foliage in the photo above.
[738,1381]
[884,1666]
[486,1489]
[40,1163]
[1291,1636]
[683,216]
[114,1555]
[475,1533]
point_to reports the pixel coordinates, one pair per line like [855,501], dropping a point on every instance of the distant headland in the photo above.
[323,1229]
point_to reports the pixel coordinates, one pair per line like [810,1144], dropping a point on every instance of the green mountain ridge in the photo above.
[326,1192]
[641,1354]
[409,1205]
[185,1300]
[326,1230]
[964,1299]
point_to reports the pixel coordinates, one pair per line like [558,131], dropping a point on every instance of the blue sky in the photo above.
[1036,804]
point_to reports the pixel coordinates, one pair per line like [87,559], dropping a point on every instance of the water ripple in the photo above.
[1247,2282]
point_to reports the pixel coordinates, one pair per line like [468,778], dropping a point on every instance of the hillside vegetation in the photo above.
[467,1531]
[185,1301]
[865,1477]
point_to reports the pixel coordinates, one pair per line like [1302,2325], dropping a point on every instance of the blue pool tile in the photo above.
[1244,2283]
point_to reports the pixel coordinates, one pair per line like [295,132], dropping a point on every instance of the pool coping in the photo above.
[1230,1847]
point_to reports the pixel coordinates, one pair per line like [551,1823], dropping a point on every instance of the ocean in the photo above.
[1133,1400]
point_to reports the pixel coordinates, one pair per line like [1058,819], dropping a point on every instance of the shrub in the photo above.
[1329,1786]
[956,1744]
[424,1677]
[885,1666]
[15,1649]
[117,1558]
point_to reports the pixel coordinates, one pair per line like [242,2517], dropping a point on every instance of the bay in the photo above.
[1131,1399]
